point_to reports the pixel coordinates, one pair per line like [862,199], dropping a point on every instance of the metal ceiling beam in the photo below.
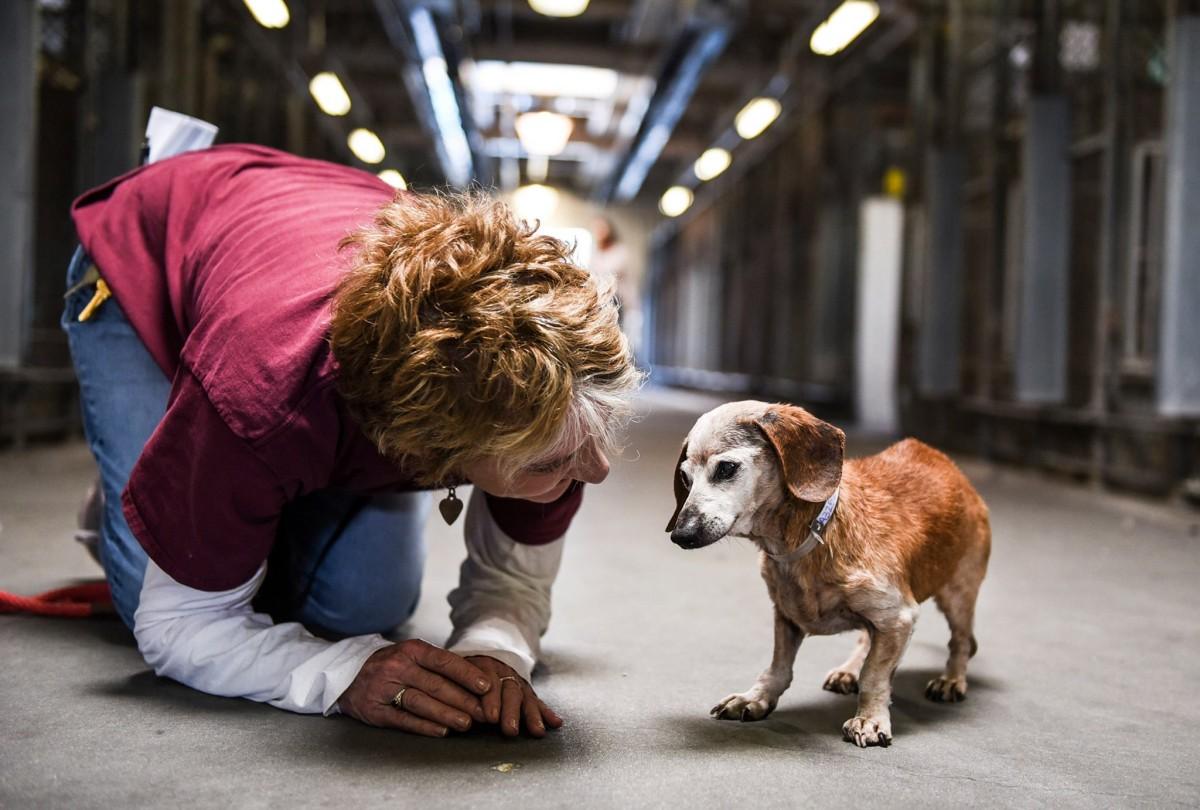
[694,50]
[431,81]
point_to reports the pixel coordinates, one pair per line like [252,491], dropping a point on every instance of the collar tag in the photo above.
[816,533]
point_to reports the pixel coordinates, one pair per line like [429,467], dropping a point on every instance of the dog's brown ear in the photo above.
[810,451]
[681,490]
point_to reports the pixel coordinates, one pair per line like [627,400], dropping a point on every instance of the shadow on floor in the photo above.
[814,721]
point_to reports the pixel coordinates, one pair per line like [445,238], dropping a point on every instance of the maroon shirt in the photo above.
[225,262]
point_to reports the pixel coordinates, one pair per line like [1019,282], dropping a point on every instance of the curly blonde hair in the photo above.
[460,334]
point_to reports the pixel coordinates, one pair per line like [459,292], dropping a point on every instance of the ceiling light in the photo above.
[394,179]
[535,202]
[544,133]
[675,201]
[756,116]
[559,8]
[846,22]
[711,163]
[366,146]
[540,79]
[330,95]
[269,13]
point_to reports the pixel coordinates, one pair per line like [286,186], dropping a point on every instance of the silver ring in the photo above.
[510,678]
[398,700]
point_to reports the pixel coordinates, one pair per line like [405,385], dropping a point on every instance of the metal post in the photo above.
[18,54]
[1042,331]
[941,335]
[1178,373]
[1041,350]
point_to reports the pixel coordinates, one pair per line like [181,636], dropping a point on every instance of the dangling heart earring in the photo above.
[450,507]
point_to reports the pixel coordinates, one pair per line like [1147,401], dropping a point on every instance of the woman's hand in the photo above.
[440,690]
[511,700]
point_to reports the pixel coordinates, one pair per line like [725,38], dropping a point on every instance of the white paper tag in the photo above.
[171,133]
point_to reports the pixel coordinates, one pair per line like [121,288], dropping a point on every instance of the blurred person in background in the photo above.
[610,263]
[277,357]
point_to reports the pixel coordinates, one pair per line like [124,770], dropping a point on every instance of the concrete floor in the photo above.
[1084,691]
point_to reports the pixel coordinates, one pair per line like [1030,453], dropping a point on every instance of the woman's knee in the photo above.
[370,581]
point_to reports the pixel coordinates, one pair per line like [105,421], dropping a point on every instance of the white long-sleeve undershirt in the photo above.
[215,642]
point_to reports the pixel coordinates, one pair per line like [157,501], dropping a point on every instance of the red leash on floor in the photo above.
[88,599]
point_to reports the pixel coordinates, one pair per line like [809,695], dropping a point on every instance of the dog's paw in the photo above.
[841,681]
[746,706]
[864,731]
[944,689]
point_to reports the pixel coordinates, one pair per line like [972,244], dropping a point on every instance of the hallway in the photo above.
[1082,695]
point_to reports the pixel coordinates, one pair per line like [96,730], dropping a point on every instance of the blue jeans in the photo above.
[344,564]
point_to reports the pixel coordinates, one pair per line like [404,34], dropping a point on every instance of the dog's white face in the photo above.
[730,473]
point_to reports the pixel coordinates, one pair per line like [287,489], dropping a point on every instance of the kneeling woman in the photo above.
[290,356]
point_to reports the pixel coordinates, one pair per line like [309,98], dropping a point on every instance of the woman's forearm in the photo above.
[502,605]
[215,642]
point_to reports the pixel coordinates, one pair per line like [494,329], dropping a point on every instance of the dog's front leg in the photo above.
[889,637]
[759,700]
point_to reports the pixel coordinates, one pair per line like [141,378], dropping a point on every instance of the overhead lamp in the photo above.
[544,133]
[329,93]
[675,200]
[756,116]
[366,146]
[712,163]
[841,27]
[559,8]
[269,13]
[540,79]
[394,179]
[535,202]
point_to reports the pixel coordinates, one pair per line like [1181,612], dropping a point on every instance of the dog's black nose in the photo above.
[685,538]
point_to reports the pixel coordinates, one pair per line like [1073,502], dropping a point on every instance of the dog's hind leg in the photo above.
[957,601]
[759,700]
[844,679]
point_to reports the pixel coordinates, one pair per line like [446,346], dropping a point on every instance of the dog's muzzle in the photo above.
[692,531]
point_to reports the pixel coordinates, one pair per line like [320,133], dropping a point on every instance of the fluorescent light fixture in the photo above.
[269,13]
[756,116]
[541,79]
[841,27]
[366,146]
[544,133]
[559,8]
[535,202]
[330,95]
[393,178]
[675,200]
[712,163]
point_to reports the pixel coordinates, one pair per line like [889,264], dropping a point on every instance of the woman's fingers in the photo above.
[533,714]
[444,662]
[512,696]
[549,715]
[443,691]
[491,702]
[407,721]
[416,702]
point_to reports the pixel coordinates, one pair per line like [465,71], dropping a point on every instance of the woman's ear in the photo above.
[810,451]
[681,490]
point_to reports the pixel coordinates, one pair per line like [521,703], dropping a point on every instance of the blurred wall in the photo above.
[1046,148]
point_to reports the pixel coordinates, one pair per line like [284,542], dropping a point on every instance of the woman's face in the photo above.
[545,481]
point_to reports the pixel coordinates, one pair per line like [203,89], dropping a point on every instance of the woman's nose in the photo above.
[592,468]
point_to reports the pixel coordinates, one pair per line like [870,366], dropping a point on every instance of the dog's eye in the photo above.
[725,470]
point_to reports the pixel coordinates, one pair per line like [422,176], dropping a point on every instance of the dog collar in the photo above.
[816,533]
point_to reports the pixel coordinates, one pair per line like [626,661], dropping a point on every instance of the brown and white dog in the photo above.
[905,525]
